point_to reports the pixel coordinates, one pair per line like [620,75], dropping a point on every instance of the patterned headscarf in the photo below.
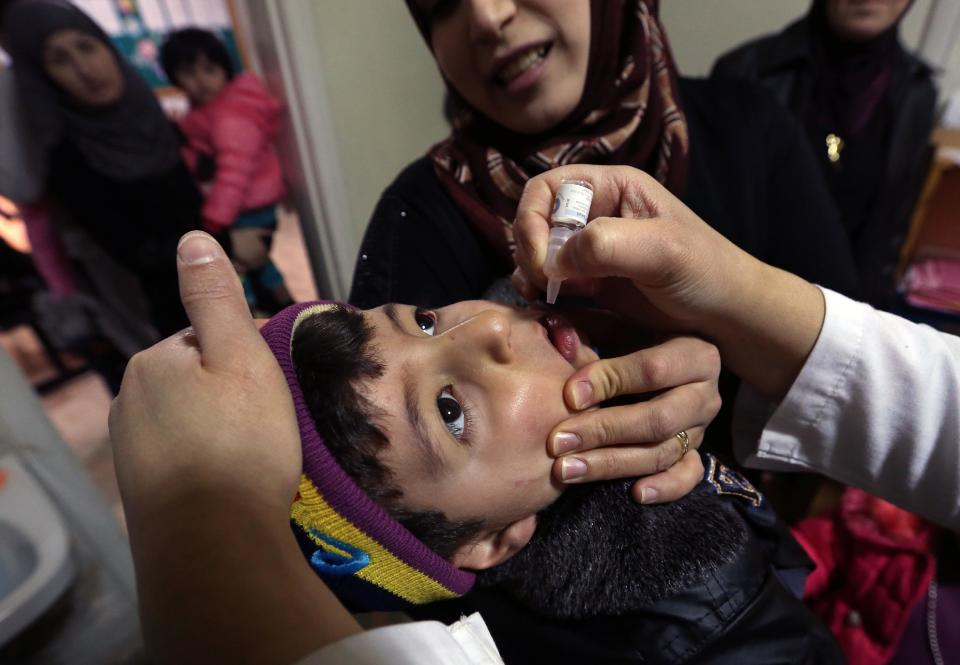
[629,113]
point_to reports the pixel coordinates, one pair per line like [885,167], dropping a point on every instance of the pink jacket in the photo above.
[874,564]
[237,129]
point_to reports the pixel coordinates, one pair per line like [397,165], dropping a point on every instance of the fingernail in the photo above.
[197,248]
[572,468]
[582,394]
[565,442]
[649,494]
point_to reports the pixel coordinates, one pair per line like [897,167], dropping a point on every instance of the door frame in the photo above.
[282,43]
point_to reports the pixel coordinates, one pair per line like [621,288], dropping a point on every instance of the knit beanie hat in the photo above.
[367,558]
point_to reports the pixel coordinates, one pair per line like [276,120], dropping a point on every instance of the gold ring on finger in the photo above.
[684,440]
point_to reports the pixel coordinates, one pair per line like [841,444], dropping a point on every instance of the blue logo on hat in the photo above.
[334,563]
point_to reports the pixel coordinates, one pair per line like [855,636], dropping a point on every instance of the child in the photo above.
[229,135]
[424,453]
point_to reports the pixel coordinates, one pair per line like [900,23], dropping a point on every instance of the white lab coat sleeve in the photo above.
[876,406]
[466,642]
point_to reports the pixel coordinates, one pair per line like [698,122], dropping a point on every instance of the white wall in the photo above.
[384,91]
[950,78]
[941,45]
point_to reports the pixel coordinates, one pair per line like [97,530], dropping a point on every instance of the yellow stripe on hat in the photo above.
[307,312]
[385,569]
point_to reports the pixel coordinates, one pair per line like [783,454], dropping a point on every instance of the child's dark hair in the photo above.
[333,357]
[183,47]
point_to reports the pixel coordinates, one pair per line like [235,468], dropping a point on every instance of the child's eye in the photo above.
[426,320]
[452,413]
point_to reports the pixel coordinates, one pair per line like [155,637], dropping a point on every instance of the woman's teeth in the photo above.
[522,63]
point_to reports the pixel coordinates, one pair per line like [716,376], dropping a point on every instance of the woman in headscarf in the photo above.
[535,84]
[112,157]
[868,109]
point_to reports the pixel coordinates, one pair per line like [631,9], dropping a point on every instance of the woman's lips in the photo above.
[523,70]
[562,335]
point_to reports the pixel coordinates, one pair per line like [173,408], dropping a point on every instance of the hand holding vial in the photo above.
[649,258]
[644,254]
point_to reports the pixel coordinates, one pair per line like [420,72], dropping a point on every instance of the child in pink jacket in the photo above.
[229,135]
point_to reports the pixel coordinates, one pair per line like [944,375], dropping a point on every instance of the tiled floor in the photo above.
[79,407]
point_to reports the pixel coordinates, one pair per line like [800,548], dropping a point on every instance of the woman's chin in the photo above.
[534,117]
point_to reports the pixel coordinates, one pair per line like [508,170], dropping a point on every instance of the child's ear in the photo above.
[492,548]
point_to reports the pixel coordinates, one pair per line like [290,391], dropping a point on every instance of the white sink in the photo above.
[35,564]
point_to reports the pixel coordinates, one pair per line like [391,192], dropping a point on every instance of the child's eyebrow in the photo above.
[435,463]
[390,309]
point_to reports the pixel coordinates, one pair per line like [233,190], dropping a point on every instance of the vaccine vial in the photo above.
[571,210]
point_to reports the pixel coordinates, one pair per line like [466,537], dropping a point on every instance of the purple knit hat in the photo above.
[369,560]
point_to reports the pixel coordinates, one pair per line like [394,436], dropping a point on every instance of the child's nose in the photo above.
[488,336]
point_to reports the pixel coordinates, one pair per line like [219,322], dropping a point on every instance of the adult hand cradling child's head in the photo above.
[208,457]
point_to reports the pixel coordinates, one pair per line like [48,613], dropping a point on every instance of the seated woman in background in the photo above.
[113,161]
[867,106]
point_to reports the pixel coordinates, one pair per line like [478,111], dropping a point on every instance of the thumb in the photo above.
[643,250]
[213,299]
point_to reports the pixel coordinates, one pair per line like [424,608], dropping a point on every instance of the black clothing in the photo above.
[137,223]
[881,167]
[419,249]
[710,578]
[751,176]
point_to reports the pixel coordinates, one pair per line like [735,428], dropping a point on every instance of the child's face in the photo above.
[202,81]
[522,63]
[470,393]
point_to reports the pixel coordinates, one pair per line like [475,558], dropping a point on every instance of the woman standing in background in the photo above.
[867,106]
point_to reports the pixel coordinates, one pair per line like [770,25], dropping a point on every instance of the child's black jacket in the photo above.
[712,578]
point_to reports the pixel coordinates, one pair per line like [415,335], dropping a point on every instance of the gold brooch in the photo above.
[834,146]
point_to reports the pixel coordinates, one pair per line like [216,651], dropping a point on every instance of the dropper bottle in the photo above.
[571,209]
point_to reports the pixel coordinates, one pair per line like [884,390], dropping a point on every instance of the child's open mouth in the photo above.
[562,335]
